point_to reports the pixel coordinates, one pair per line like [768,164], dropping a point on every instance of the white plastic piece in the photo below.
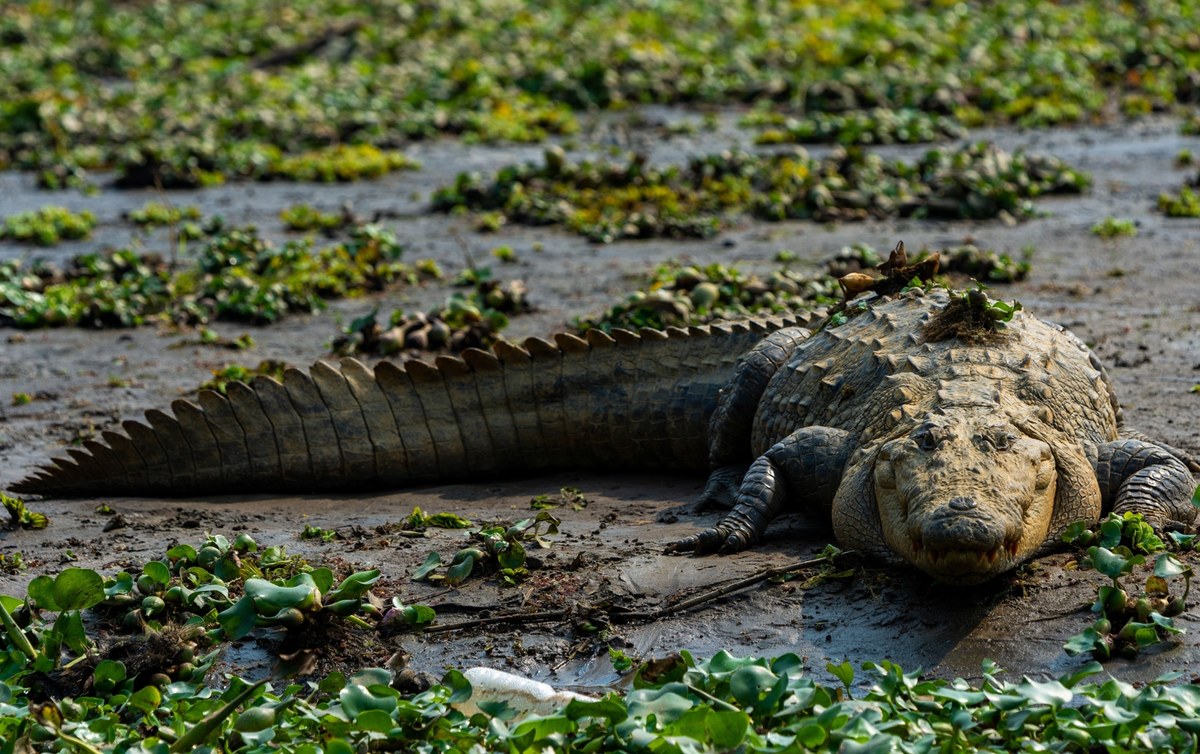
[526,696]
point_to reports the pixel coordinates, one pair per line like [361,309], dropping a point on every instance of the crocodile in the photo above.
[959,450]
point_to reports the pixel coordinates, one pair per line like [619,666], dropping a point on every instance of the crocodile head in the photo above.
[965,495]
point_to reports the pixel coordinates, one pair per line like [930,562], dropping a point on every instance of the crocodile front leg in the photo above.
[805,467]
[1141,477]
[729,430]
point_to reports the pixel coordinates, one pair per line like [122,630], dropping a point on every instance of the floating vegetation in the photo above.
[197,163]
[152,214]
[237,276]
[48,226]
[606,200]
[679,295]
[1112,227]
[468,319]
[305,217]
[210,100]
[875,126]
[1184,204]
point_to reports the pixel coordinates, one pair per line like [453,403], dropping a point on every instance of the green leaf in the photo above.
[78,589]
[238,621]
[609,708]
[1082,642]
[186,553]
[460,687]
[727,728]
[357,699]
[322,579]
[354,586]
[432,561]
[108,673]
[750,684]
[1110,563]
[69,628]
[147,699]
[375,721]
[41,591]
[1168,567]
[458,573]
[667,704]
[1052,693]
[844,672]
[157,571]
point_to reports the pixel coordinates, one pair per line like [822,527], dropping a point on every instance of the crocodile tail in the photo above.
[627,401]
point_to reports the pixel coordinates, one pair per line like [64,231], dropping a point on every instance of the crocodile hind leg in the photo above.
[1136,476]
[729,430]
[806,466]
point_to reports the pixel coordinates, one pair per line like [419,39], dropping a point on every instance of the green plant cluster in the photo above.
[152,214]
[682,704]
[48,226]
[474,318]
[226,84]
[1126,623]
[679,295]
[1112,227]
[859,127]
[305,217]
[19,514]
[238,275]
[498,549]
[606,200]
[1185,204]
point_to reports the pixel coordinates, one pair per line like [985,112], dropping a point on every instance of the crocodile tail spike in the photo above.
[628,399]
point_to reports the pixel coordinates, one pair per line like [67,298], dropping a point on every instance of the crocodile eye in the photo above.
[927,439]
[1001,440]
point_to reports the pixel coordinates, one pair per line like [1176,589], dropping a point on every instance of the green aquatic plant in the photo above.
[607,200]
[48,226]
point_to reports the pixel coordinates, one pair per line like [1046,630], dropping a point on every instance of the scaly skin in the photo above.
[960,455]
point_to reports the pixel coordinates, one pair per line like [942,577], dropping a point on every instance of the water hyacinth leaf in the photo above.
[354,586]
[147,699]
[185,553]
[432,561]
[460,570]
[418,615]
[544,727]
[338,746]
[1110,533]
[1112,564]
[375,721]
[1052,693]
[727,728]
[157,571]
[238,621]
[1165,623]
[512,556]
[270,598]
[78,589]
[41,591]
[69,627]
[843,671]
[667,704]
[1071,680]
[322,579]
[335,681]
[1181,540]
[752,685]
[609,708]
[1168,567]
[1081,643]
[122,583]
[357,699]
[108,673]
[460,687]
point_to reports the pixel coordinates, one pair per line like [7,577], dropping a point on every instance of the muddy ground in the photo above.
[1137,300]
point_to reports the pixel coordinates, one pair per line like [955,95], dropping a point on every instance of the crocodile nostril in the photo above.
[962,503]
